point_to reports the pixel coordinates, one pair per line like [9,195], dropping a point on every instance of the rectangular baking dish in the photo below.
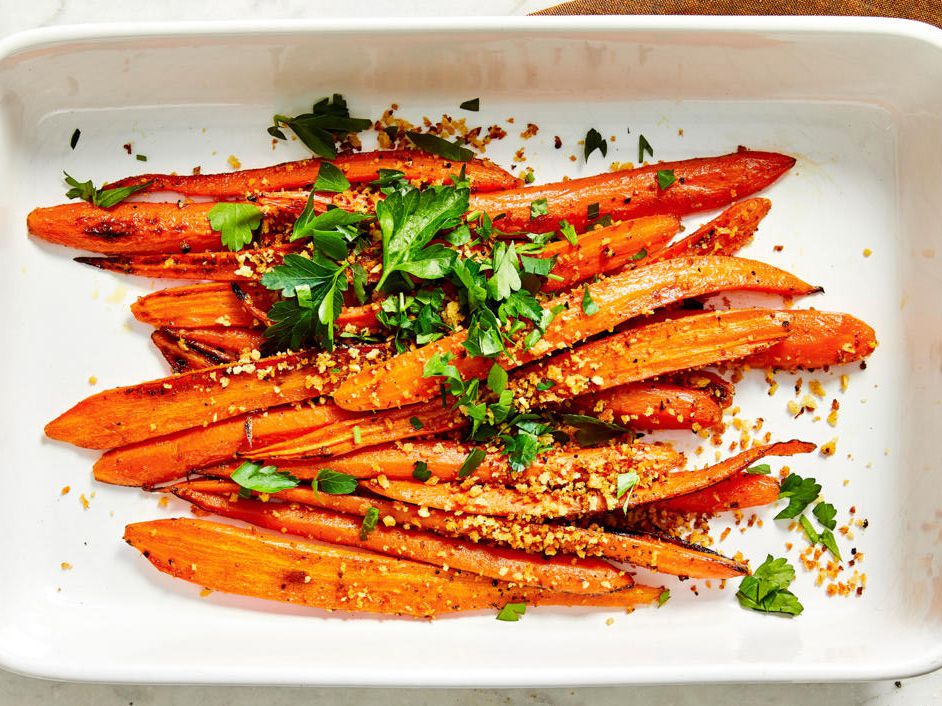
[858,101]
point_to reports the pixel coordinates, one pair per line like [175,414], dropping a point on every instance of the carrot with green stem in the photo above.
[560,573]
[401,380]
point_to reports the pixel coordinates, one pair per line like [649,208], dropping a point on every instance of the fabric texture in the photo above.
[924,10]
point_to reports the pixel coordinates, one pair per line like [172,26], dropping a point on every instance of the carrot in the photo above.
[217,266]
[126,415]
[653,485]
[724,235]
[648,351]
[167,458]
[652,405]
[232,341]
[194,306]
[365,430]
[720,390]
[181,358]
[607,249]
[619,298]
[359,168]
[701,184]
[656,553]
[562,573]
[817,339]
[128,228]
[246,562]
[733,493]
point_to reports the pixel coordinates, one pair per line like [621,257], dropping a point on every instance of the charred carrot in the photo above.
[562,573]
[181,358]
[170,457]
[659,554]
[649,351]
[700,185]
[652,405]
[126,415]
[232,341]
[359,168]
[720,390]
[607,249]
[724,235]
[619,298]
[733,493]
[817,339]
[193,306]
[245,266]
[249,563]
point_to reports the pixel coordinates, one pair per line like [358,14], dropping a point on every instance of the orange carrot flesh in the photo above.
[652,405]
[246,562]
[731,494]
[180,359]
[126,415]
[170,457]
[234,341]
[662,555]
[621,297]
[365,430]
[817,339]
[649,351]
[561,573]
[724,235]
[245,266]
[607,249]
[194,306]
[701,184]
[359,168]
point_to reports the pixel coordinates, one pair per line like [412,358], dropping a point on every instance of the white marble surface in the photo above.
[18,15]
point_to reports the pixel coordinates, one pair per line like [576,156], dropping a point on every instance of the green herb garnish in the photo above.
[334,483]
[825,513]
[624,484]
[235,222]
[474,105]
[664,596]
[594,141]
[800,492]
[512,612]
[538,208]
[103,198]
[762,469]
[568,232]
[644,146]
[370,518]
[433,144]
[665,177]
[767,589]
[328,122]
[330,178]
[591,431]
[263,479]
[471,463]
[589,307]
[416,423]
[421,471]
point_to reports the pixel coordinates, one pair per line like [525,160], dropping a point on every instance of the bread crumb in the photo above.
[92,380]
[234,162]
[65,566]
[205,592]
[867,252]
[65,490]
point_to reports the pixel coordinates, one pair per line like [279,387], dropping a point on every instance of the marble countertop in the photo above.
[19,15]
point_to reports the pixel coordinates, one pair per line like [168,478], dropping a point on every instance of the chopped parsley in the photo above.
[592,211]
[568,232]
[334,482]
[594,141]
[512,612]
[263,479]
[591,431]
[538,208]
[416,423]
[640,255]
[103,198]
[624,484]
[328,122]
[370,519]
[800,492]
[474,105]
[665,177]
[416,317]
[589,307]
[663,597]
[644,146]
[825,513]
[332,231]
[471,463]
[762,469]
[235,222]
[767,589]
[433,144]
[357,435]
[140,157]
[330,178]
[421,471]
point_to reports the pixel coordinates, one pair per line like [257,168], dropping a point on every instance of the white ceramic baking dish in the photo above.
[859,102]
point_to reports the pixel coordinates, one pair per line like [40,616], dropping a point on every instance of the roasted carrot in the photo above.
[701,184]
[194,306]
[733,493]
[656,553]
[724,235]
[817,339]
[720,390]
[365,430]
[217,266]
[562,573]
[181,358]
[126,415]
[233,341]
[608,249]
[653,485]
[249,563]
[619,298]
[170,457]
[649,351]
[652,405]
[359,168]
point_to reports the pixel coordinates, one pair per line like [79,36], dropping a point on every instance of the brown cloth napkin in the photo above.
[925,10]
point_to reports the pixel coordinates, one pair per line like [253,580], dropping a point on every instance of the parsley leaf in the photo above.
[568,232]
[506,277]
[103,198]
[414,318]
[330,231]
[763,469]
[825,512]
[433,144]
[334,483]
[370,518]
[591,431]
[330,178]
[497,379]
[235,223]
[471,463]
[663,597]
[644,146]
[592,211]
[263,479]
[474,105]
[767,589]
[624,484]
[416,423]
[328,122]
[665,177]
[809,529]
[409,220]
[588,306]
[800,492]
[421,471]
[594,141]
[828,540]
[538,208]
[512,612]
